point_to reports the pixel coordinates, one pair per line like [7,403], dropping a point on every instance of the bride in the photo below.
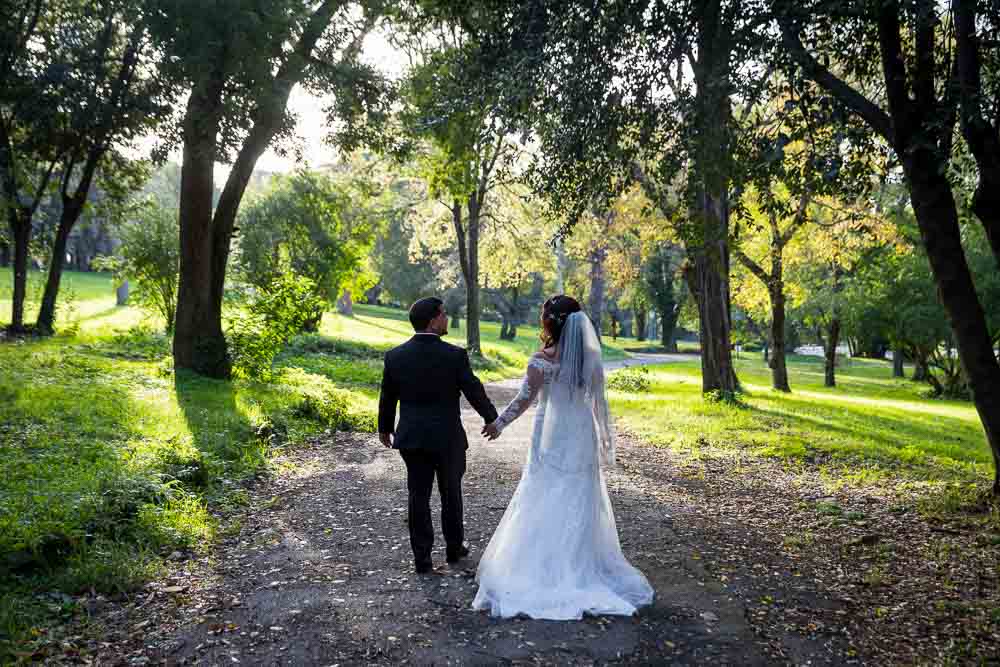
[555,554]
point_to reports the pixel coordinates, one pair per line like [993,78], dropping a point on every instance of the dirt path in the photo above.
[317,571]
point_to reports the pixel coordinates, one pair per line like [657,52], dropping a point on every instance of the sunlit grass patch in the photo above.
[870,428]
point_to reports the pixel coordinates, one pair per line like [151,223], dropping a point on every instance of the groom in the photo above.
[425,375]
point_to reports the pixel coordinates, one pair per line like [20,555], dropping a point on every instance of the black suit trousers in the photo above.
[422,465]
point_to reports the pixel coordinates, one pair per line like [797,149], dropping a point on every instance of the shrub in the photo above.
[269,321]
[333,409]
[634,379]
[149,258]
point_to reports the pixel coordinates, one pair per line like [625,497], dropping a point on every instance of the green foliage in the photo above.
[269,321]
[634,379]
[312,225]
[335,409]
[149,258]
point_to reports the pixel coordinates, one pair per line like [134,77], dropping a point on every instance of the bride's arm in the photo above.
[533,380]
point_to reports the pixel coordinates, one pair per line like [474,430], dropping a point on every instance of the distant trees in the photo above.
[313,225]
[76,88]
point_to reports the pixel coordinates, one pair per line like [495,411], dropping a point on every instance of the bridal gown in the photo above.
[556,554]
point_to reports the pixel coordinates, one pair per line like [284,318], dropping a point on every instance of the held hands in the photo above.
[491,431]
[386,439]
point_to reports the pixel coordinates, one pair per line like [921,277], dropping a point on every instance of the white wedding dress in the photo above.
[556,554]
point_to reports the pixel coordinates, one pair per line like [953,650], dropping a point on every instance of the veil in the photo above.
[578,394]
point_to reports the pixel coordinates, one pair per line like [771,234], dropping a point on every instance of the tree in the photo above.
[516,259]
[637,91]
[753,256]
[149,259]
[907,43]
[111,98]
[240,64]
[666,293]
[311,225]
[29,100]
[469,153]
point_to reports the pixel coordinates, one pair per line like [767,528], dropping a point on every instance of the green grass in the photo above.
[869,428]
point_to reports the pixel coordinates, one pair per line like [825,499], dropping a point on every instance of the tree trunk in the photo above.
[711,291]
[711,175]
[20,227]
[897,363]
[640,325]
[121,294]
[472,312]
[456,321]
[597,281]
[345,304]
[199,342]
[562,263]
[668,329]
[830,353]
[937,217]
[72,208]
[4,254]
[779,369]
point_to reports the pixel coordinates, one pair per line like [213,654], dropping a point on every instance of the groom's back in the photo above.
[424,375]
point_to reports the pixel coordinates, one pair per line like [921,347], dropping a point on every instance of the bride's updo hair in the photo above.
[554,313]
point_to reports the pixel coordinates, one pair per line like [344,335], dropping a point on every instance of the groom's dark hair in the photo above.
[423,311]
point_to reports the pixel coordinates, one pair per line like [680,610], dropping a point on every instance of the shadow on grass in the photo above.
[221,429]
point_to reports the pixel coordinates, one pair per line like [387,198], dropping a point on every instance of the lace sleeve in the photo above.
[533,380]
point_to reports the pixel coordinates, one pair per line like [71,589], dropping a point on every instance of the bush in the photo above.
[269,321]
[149,258]
[333,409]
[634,379]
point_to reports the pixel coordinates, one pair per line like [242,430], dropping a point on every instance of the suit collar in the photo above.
[426,337]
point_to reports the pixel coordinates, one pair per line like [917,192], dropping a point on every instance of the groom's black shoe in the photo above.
[424,567]
[457,554]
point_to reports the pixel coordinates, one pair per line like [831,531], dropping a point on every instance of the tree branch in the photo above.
[870,112]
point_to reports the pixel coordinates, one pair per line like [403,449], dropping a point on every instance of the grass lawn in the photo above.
[870,428]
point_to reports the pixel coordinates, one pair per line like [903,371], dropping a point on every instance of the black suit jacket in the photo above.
[425,376]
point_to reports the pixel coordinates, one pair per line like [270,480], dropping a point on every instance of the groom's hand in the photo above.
[491,431]
[386,439]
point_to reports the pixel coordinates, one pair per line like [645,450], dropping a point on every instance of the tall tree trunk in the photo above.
[921,369]
[562,264]
[937,217]
[711,161]
[472,313]
[47,313]
[830,352]
[20,228]
[779,369]
[199,342]
[597,284]
[72,209]
[4,254]
[668,329]
[121,294]
[897,363]
[640,325]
